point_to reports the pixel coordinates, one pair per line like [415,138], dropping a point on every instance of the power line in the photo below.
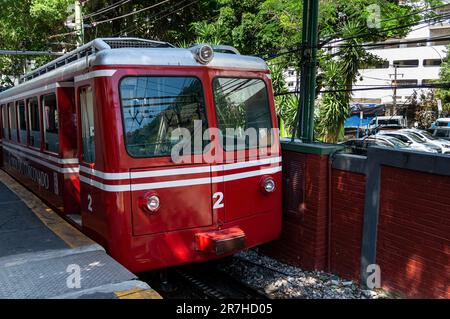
[133,28]
[322,45]
[106,9]
[96,23]
[443,85]
[330,37]
[403,26]
[379,44]
[175,11]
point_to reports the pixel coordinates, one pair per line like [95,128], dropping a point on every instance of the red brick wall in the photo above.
[413,245]
[347,222]
[304,236]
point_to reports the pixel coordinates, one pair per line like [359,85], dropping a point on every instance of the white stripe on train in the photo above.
[179,171]
[62,170]
[41,155]
[178,183]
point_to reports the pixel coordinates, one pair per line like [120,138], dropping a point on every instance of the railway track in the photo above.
[205,281]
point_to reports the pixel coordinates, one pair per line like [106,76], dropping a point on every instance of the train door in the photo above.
[87,153]
[250,171]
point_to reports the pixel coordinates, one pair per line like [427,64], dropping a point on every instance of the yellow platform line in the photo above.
[69,234]
[138,293]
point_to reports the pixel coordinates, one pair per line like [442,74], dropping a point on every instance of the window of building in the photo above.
[12,121]
[5,123]
[153,107]
[428,81]
[34,120]
[22,122]
[87,124]
[406,63]
[406,82]
[50,112]
[382,65]
[432,62]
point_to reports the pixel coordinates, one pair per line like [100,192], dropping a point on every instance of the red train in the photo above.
[93,133]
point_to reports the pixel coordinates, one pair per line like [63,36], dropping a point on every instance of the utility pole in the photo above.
[79,25]
[394,88]
[308,61]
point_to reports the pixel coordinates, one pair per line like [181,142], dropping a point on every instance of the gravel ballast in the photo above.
[279,280]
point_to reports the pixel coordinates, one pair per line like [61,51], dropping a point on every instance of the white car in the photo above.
[413,141]
[429,138]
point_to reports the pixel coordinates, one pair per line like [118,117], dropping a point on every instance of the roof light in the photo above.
[203,53]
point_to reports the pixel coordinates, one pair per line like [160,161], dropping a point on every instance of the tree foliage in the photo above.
[444,77]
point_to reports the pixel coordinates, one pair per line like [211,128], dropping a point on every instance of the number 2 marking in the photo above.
[218,203]
[89,198]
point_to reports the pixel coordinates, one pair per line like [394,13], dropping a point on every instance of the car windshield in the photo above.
[396,142]
[421,139]
[442,133]
[414,137]
[429,136]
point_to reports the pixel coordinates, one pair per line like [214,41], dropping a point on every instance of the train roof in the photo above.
[130,52]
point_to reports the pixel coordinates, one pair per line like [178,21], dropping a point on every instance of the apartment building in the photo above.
[412,61]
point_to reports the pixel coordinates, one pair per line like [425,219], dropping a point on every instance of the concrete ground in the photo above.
[42,256]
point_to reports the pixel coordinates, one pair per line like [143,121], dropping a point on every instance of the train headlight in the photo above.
[268,185]
[150,203]
[153,203]
[203,53]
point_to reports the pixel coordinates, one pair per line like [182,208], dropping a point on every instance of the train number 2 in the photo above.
[218,203]
[89,198]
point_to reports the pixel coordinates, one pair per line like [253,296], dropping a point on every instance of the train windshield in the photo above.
[153,107]
[243,113]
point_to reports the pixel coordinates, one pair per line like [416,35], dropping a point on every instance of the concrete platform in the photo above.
[42,256]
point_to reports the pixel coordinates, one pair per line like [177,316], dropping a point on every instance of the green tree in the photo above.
[444,77]
[27,25]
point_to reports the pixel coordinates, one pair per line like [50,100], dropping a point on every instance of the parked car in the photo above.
[360,146]
[387,123]
[442,122]
[429,138]
[412,140]
[442,133]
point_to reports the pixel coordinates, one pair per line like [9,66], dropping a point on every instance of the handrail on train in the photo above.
[101,44]
[91,48]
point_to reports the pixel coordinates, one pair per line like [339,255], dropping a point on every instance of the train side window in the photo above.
[22,122]
[12,121]
[34,120]
[50,111]
[87,124]
[5,123]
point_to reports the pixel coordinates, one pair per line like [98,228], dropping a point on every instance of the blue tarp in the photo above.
[355,121]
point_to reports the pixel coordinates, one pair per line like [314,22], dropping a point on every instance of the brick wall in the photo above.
[413,230]
[304,238]
[348,192]
[413,245]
